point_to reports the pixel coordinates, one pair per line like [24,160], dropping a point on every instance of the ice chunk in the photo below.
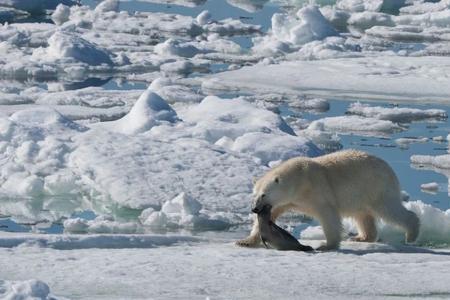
[317,104]
[404,142]
[174,47]
[182,212]
[183,204]
[61,14]
[310,25]
[75,225]
[326,141]
[439,139]
[434,223]
[432,186]
[364,20]
[215,117]
[396,114]
[203,18]
[155,220]
[149,110]
[269,147]
[355,124]
[172,92]
[68,45]
[439,161]
[337,17]
[107,5]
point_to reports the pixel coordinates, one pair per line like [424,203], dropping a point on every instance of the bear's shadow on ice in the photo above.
[394,249]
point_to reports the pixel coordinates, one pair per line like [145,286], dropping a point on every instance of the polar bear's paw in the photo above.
[326,247]
[364,239]
[249,242]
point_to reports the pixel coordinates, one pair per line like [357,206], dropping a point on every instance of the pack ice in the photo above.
[143,160]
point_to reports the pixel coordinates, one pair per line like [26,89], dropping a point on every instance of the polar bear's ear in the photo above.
[254,180]
[277,179]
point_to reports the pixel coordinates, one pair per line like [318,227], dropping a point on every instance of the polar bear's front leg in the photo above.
[254,239]
[332,228]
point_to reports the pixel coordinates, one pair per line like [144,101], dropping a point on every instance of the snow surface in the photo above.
[220,270]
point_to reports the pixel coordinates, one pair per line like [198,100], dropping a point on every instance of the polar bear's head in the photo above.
[268,190]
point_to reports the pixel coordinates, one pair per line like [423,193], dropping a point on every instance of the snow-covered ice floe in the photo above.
[355,124]
[204,153]
[430,187]
[197,269]
[390,78]
[396,114]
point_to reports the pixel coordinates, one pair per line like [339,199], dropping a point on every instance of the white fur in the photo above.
[342,184]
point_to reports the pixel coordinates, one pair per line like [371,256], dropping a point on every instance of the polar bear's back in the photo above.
[359,179]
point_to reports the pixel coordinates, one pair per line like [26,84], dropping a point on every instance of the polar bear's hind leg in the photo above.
[367,230]
[396,214]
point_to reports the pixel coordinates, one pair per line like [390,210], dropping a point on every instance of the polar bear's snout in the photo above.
[258,203]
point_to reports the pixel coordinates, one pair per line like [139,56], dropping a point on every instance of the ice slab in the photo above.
[396,114]
[355,124]
[389,78]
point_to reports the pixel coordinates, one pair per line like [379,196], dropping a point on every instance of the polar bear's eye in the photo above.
[263,196]
[277,180]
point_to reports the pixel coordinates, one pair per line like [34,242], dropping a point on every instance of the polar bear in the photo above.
[342,184]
